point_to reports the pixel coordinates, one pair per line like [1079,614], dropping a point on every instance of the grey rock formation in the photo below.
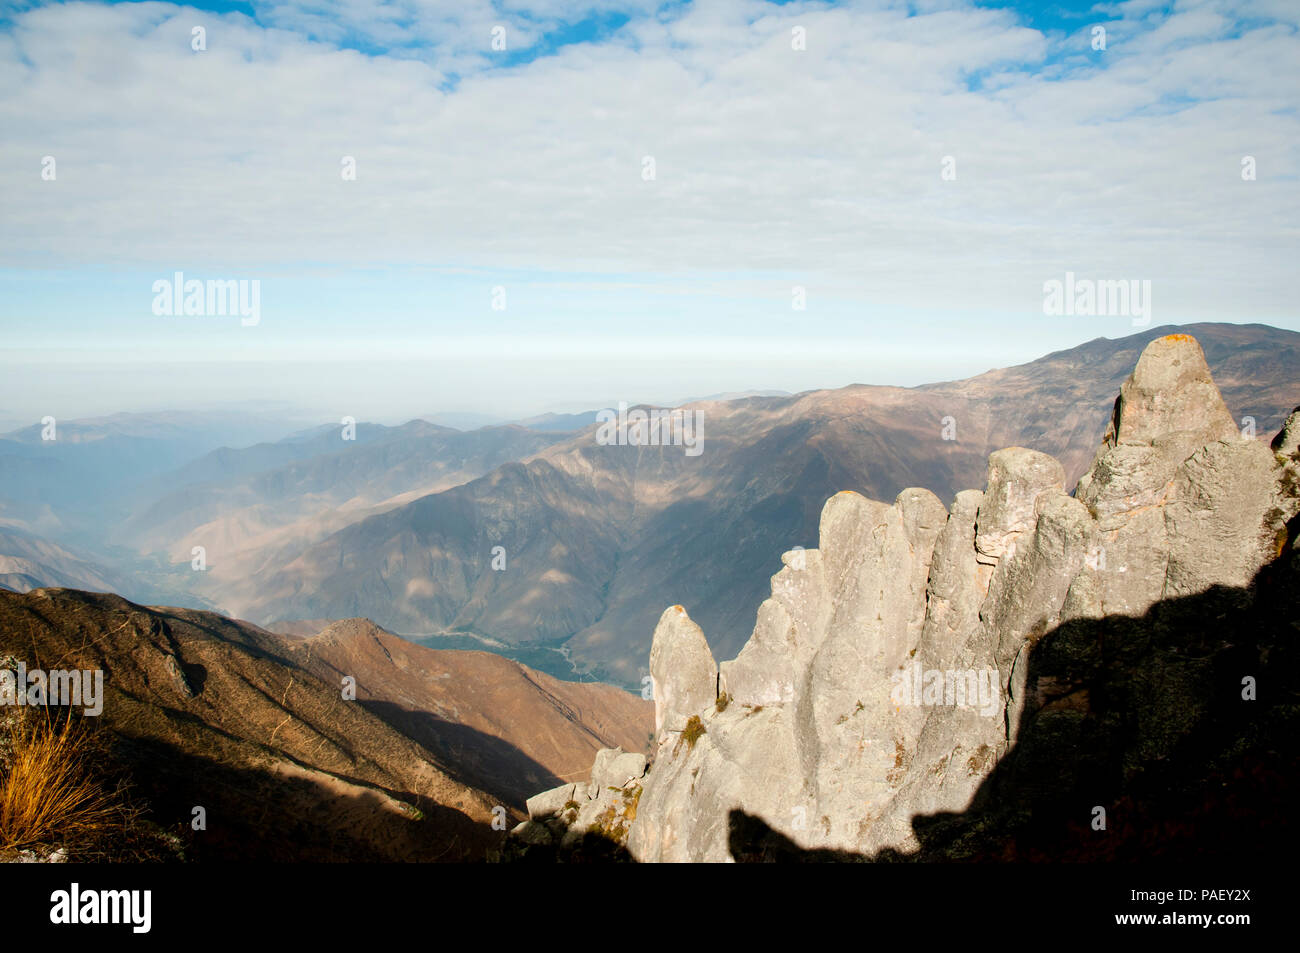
[549,803]
[887,672]
[616,768]
[1017,478]
[1167,410]
[684,677]
[603,807]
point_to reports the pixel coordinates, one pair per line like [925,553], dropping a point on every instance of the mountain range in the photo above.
[539,542]
[597,537]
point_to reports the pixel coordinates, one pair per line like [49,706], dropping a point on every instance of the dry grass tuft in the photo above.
[692,733]
[51,793]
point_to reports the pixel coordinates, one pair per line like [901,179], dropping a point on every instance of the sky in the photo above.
[558,206]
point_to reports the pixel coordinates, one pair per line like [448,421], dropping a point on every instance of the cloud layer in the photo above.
[824,161]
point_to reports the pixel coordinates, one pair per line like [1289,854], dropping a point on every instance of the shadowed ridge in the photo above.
[495,724]
[205,711]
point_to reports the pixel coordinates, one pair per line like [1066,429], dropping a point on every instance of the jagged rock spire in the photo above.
[1170,396]
[683,675]
[1166,410]
[887,672]
[1017,478]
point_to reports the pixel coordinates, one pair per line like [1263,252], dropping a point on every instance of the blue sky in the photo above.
[776,168]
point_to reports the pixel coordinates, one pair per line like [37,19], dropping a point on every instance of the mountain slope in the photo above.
[29,562]
[504,726]
[254,727]
[262,505]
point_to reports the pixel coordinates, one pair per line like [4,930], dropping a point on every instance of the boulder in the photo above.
[549,803]
[616,768]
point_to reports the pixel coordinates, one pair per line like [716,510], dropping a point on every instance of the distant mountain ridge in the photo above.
[29,562]
[405,524]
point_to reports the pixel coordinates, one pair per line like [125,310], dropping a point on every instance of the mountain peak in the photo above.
[1170,392]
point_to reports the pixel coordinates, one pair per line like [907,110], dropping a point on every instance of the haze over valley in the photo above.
[400,524]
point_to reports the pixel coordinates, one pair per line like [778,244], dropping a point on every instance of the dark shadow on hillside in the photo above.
[468,755]
[178,748]
[255,815]
[1143,717]
[587,848]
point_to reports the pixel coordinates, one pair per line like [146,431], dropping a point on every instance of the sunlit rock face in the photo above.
[886,673]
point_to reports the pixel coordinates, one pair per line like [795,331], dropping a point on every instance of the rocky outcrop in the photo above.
[1180,498]
[1287,441]
[683,675]
[888,672]
[1017,478]
[589,818]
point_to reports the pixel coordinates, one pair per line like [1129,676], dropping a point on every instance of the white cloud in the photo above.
[824,162]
